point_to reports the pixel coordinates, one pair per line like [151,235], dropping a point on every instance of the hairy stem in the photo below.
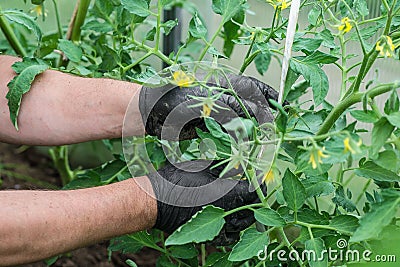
[338,110]
[77,20]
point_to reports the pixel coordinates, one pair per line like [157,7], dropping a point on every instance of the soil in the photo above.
[23,168]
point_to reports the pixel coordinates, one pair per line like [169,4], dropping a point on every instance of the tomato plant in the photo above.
[321,147]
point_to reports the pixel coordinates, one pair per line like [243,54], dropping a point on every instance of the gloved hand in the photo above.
[182,190]
[156,104]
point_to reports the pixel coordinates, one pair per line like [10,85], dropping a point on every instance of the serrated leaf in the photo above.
[269,217]
[250,243]
[70,50]
[197,28]
[203,226]
[372,171]
[315,76]
[317,186]
[262,60]
[372,223]
[227,8]
[293,191]
[20,85]
[96,26]
[25,20]
[314,14]
[317,246]
[340,199]
[137,7]
[361,7]
[344,223]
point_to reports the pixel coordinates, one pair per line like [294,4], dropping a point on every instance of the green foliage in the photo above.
[321,149]
[204,226]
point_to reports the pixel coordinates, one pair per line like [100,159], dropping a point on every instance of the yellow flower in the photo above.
[350,146]
[345,25]
[280,4]
[38,9]
[206,110]
[316,156]
[268,177]
[182,79]
[386,48]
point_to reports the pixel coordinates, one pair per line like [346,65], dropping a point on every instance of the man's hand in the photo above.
[183,189]
[156,104]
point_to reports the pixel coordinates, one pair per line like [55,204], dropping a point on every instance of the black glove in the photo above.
[180,195]
[156,104]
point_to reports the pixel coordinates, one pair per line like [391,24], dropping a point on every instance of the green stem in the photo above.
[255,205]
[138,61]
[319,226]
[10,36]
[344,69]
[245,64]
[338,110]
[83,6]
[59,156]
[203,53]
[203,255]
[59,27]
[158,27]
[288,245]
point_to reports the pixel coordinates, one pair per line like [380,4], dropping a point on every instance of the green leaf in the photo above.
[314,14]
[341,199]
[372,223]
[392,104]
[218,259]
[197,28]
[227,8]
[250,243]
[96,26]
[216,130]
[20,18]
[388,159]
[364,116]
[372,171]
[20,85]
[318,186]
[394,119]
[125,244]
[169,25]
[293,191]
[327,37]
[71,50]
[203,226]
[186,251]
[150,34]
[380,133]
[361,7]
[344,223]
[308,44]
[269,217]
[263,59]
[137,7]
[315,76]
[232,32]
[317,246]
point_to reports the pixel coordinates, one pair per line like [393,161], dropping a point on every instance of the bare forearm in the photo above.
[40,224]
[63,109]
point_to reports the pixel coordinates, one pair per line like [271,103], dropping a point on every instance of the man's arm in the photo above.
[64,109]
[39,224]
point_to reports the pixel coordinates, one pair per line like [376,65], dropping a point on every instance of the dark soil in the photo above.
[23,168]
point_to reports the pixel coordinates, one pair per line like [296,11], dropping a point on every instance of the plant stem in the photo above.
[59,27]
[203,53]
[344,68]
[288,245]
[78,20]
[59,156]
[338,110]
[158,28]
[10,36]
[203,255]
